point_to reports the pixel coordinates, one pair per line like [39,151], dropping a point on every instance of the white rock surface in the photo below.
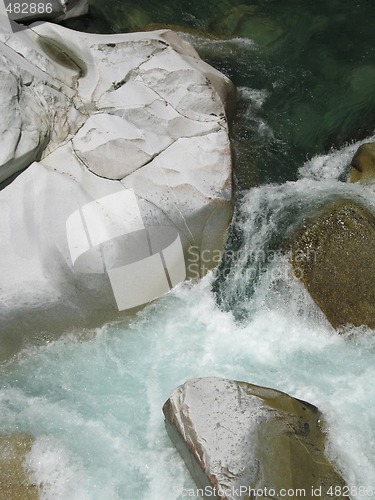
[138,114]
[37,112]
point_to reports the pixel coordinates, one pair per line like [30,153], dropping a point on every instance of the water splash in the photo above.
[92,400]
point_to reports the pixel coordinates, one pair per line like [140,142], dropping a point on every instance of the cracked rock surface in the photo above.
[240,440]
[91,116]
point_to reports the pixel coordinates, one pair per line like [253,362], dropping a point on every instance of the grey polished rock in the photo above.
[240,440]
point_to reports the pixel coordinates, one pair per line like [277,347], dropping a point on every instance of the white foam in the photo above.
[57,473]
[255,97]
[229,45]
[94,405]
[332,165]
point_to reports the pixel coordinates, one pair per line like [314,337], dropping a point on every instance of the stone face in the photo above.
[363,164]
[236,437]
[14,483]
[131,136]
[334,256]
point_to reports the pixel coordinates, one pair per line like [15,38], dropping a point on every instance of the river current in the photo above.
[92,399]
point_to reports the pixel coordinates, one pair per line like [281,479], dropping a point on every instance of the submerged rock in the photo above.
[233,19]
[131,19]
[133,170]
[246,21]
[334,256]
[237,438]
[363,164]
[14,482]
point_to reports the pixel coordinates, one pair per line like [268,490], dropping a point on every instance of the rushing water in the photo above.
[92,400]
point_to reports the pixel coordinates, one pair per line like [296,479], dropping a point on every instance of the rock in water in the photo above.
[14,482]
[334,256]
[363,164]
[240,440]
[133,171]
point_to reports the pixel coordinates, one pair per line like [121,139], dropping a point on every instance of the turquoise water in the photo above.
[92,400]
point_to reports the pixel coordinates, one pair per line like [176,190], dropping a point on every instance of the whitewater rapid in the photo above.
[92,399]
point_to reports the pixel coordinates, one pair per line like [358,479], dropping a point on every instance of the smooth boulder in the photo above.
[334,256]
[363,164]
[240,440]
[133,169]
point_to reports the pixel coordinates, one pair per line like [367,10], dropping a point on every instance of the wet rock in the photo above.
[236,437]
[246,21]
[363,164]
[233,19]
[14,482]
[361,83]
[130,19]
[334,256]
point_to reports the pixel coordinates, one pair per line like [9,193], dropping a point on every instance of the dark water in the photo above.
[305,70]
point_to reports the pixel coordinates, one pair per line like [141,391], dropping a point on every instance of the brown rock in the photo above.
[334,256]
[363,164]
[14,482]
[237,437]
